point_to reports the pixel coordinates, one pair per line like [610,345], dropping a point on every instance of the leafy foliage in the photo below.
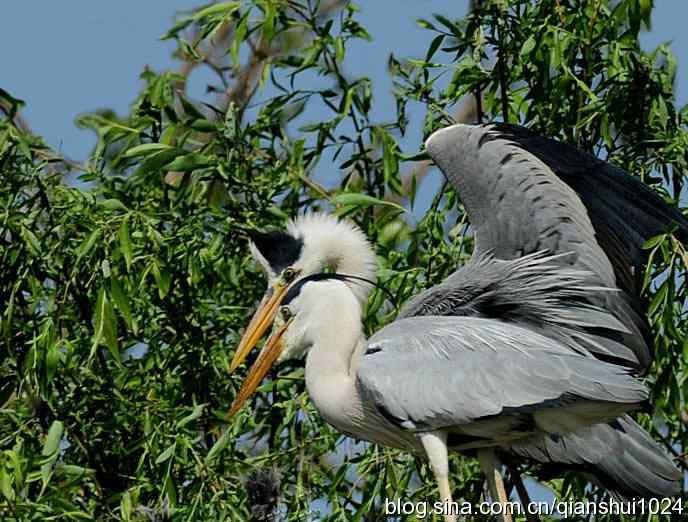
[122,302]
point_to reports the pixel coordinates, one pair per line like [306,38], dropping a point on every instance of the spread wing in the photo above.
[525,193]
[623,210]
[528,195]
[449,372]
[515,202]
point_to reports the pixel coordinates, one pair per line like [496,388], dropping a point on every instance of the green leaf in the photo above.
[177,28]
[239,36]
[52,358]
[6,484]
[125,506]
[105,326]
[451,26]
[654,241]
[146,149]
[31,241]
[50,449]
[157,161]
[71,469]
[191,161]
[658,299]
[52,442]
[112,204]
[527,46]
[584,86]
[121,302]
[646,12]
[202,125]
[162,278]
[340,50]
[425,24]
[219,445]
[190,109]
[362,200]
[418,156]
[269,21]
[14,103]
[434,45]
[165,455]
[662,111]
[87,245]
[222,8]
[195,414]
[125,244]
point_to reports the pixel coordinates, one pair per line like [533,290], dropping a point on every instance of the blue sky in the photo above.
[71,57]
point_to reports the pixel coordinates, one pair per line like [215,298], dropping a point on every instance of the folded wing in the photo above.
[454,373]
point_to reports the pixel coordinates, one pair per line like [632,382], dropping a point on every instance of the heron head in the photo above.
[312,244]
[295,321]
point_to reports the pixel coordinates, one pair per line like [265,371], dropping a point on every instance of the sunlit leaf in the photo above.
[362,200]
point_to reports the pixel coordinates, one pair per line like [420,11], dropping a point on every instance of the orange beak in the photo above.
[266,358]
[260,322]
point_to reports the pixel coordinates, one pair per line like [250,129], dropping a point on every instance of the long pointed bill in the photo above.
[260,322]
[267,357]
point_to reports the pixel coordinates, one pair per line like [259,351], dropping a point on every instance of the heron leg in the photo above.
[435,445]
[491,467]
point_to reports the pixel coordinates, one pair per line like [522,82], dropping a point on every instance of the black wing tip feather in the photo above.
[662,215]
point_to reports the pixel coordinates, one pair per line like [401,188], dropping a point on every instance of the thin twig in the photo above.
[504,90]
[467,113]
[678,457]
[515,475]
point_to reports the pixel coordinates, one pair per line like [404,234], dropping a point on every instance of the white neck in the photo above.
[335,340]
[340,245]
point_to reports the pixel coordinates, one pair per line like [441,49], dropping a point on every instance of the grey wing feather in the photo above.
[515,203]
[433,372]
[620,455]
[525,194]
[537,292]
[623,210]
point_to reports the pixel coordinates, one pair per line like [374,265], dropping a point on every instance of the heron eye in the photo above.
[289,274]
[285,312]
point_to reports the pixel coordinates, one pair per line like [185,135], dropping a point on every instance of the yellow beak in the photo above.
[267,357]
[260,322]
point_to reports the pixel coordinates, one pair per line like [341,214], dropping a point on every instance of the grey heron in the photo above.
[533,349]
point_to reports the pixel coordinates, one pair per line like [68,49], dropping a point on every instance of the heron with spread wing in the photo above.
[532,350]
